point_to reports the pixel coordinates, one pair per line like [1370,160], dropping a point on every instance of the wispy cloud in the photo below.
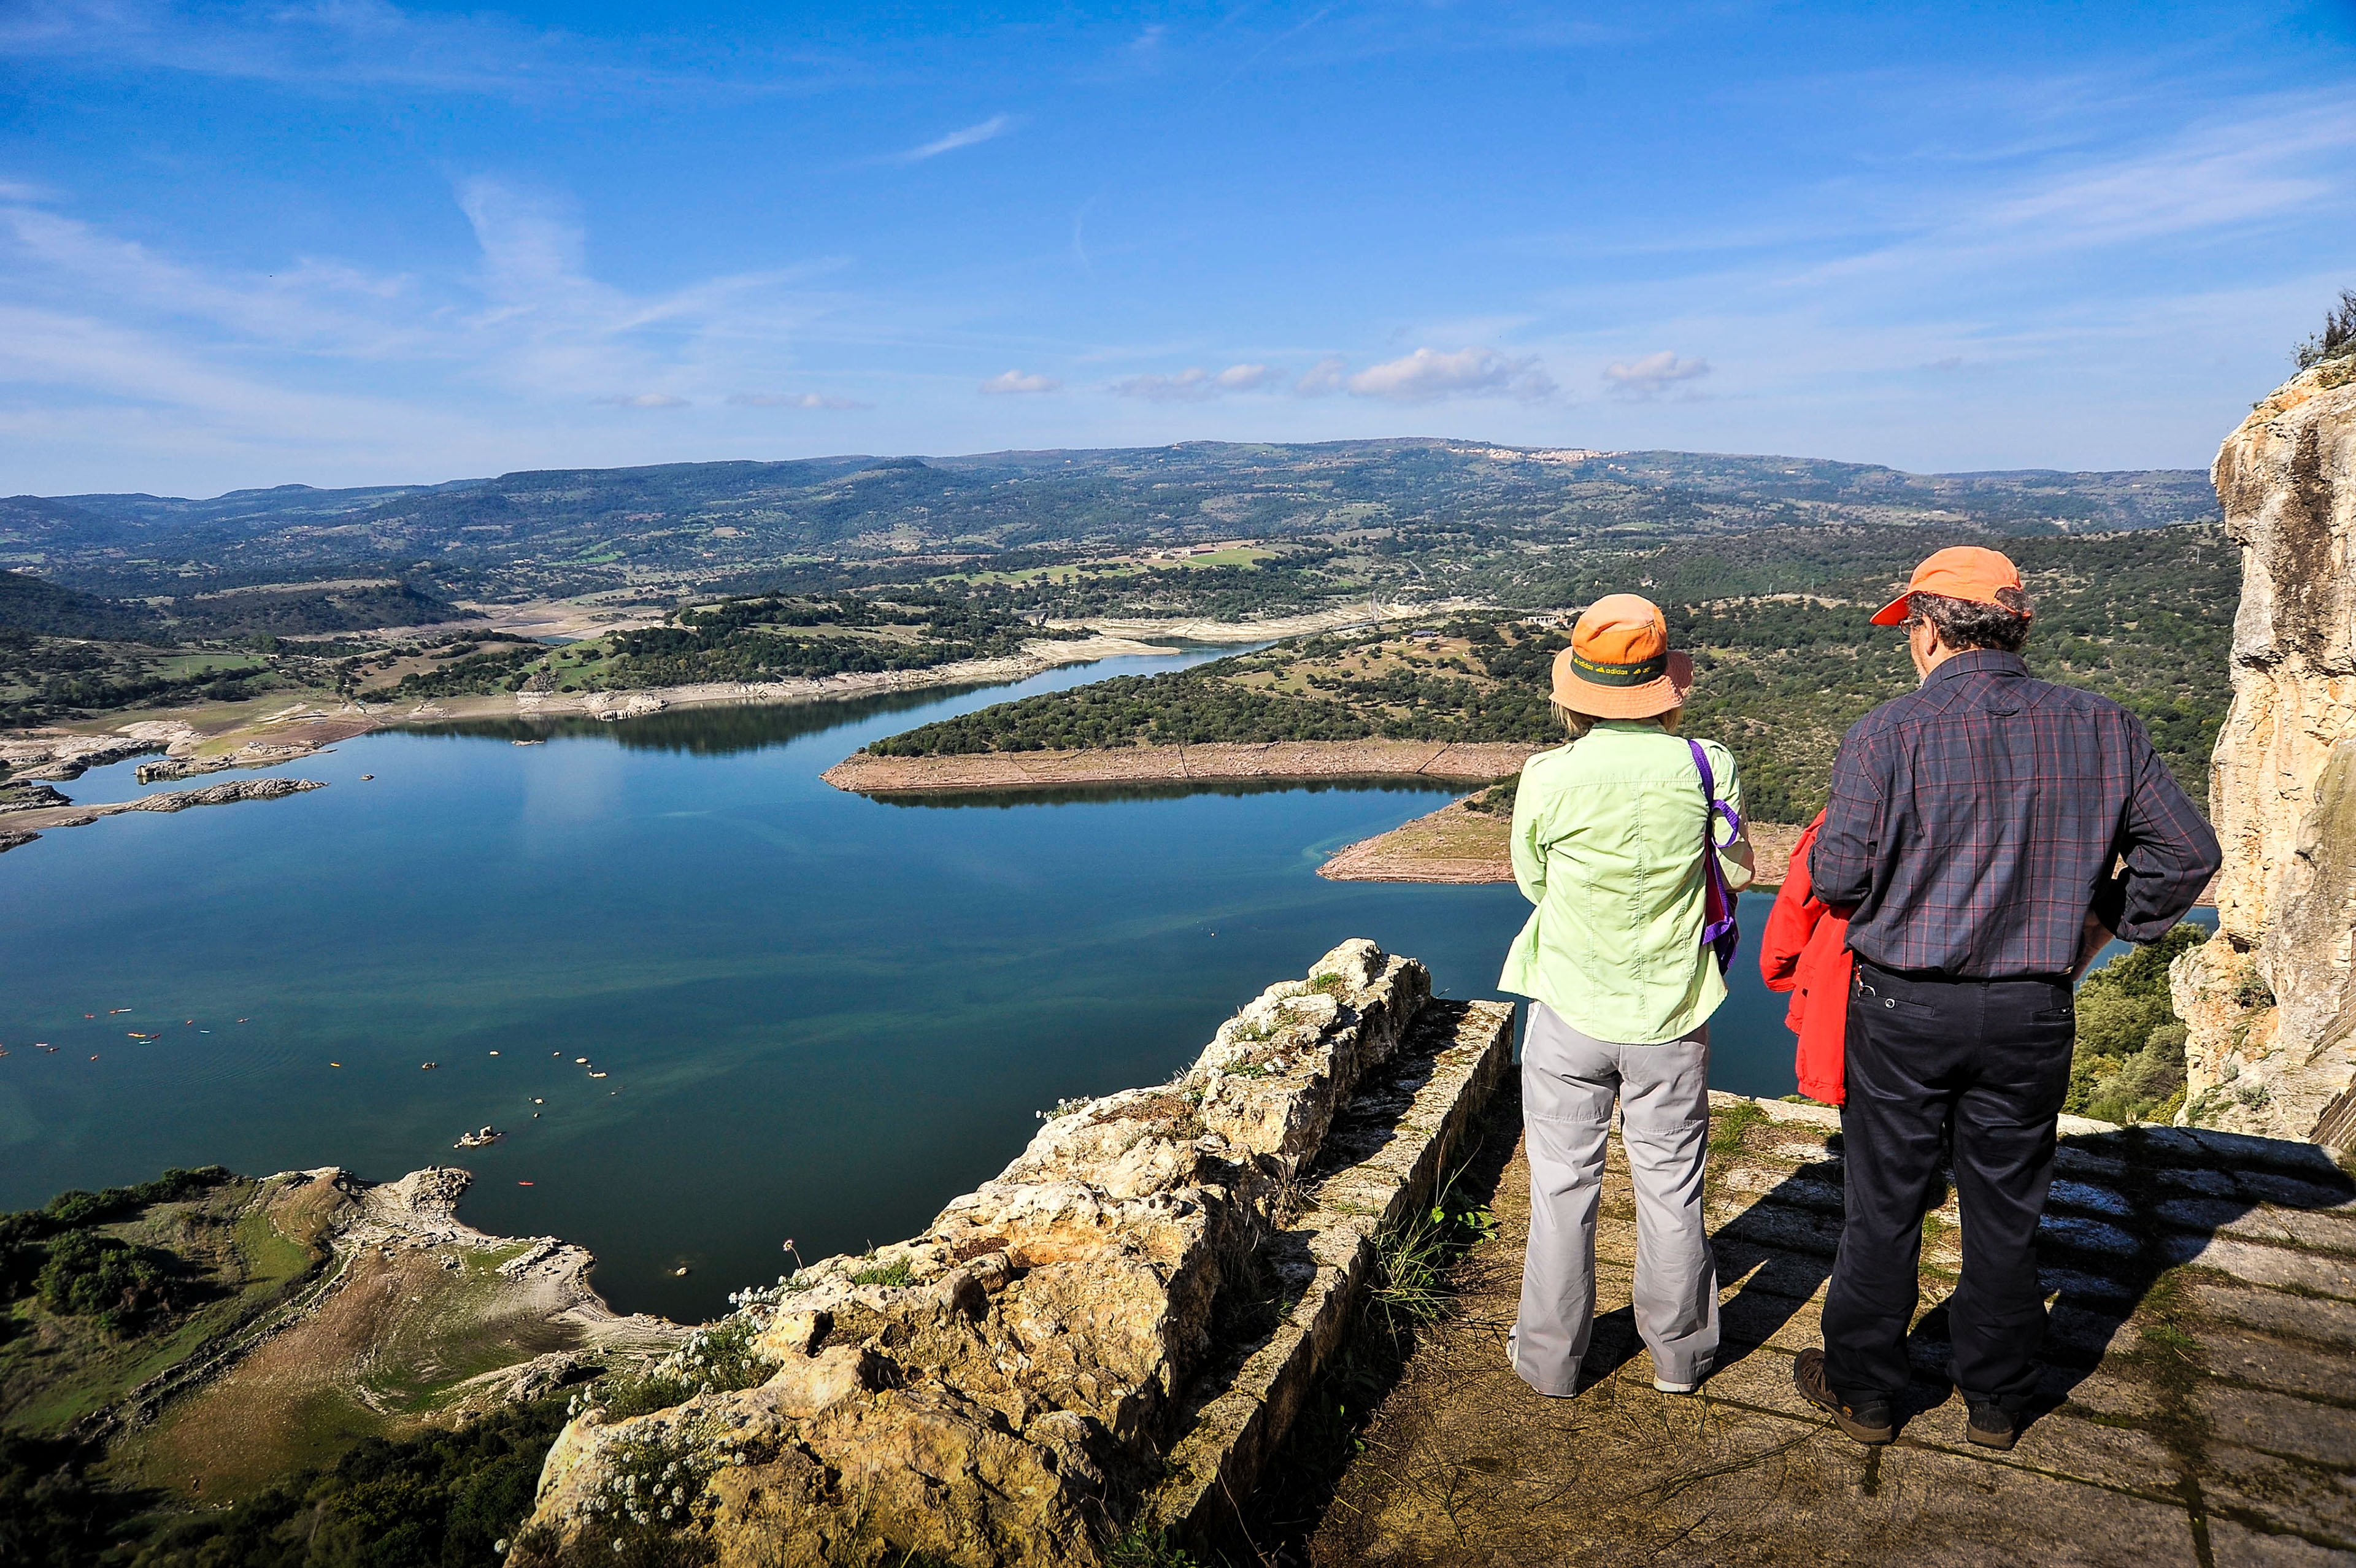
[1195,384]
[972,135]
[794,400]
[1013,383]
[2263,164]
[335,44]
[1428,375]
[144,354]
[1649,377]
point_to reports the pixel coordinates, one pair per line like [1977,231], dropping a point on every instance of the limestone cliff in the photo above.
[1012,1386]
[2268,1004]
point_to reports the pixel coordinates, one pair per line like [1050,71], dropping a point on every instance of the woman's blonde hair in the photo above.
[1578,724]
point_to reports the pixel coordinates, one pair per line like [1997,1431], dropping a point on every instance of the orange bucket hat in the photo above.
[1959,571]
[1619,665]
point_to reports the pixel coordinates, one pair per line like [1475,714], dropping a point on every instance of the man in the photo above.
[1975,826]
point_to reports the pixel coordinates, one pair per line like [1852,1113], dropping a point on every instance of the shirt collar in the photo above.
[1979,661]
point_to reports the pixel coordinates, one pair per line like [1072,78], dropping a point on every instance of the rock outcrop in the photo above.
[1003,1388]
[2273,1032]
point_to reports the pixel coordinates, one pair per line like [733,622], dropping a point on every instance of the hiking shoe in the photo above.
[1867,1423]
[1992,1427]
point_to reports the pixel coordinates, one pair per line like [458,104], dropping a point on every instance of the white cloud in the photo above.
[795,400]
[1016,381]
[1327,375]
[1195,384]
[1653,375]
[643,400]
[1428,375]
[328,44]
[995,126]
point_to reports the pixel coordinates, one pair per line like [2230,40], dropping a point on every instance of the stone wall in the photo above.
[1092,1340]
[2268,1004]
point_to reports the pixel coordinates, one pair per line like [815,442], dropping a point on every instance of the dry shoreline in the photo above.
[1456,844]
[59,754]
[863,773]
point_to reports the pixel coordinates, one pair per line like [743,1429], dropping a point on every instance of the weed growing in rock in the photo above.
[2250,990]
[1137,1548]
[1728,1127]
[1409,1288]
[1063,1108]
[713,1361]
[896,1272]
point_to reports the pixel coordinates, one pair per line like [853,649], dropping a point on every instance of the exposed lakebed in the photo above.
[820,1016]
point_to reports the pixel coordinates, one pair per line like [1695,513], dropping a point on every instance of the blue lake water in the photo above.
[820,1016]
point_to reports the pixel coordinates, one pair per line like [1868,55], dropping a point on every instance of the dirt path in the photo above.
[2194,1412]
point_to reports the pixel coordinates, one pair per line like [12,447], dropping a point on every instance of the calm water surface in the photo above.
[820,1016]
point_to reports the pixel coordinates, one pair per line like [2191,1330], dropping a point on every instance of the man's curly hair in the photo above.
[1968,624]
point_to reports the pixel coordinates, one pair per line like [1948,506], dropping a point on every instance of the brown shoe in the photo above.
[1869,1422]
[1991,1426]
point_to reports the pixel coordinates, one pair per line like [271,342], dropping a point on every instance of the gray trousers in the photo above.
[1568,1083]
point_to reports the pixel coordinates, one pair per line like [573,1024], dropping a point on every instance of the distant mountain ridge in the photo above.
[572,530]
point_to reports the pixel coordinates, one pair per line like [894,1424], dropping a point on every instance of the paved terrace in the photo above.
[2200,1406]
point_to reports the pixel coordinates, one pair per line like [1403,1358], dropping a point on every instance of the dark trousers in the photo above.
[1989,1061]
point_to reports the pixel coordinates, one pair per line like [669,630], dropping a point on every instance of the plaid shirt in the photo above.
[1975,821]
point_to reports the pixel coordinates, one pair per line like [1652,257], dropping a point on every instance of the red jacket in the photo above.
[1805,951]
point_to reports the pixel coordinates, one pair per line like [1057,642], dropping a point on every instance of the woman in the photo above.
[1609,836]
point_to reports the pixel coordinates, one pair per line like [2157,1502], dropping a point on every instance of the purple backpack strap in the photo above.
[1719,930]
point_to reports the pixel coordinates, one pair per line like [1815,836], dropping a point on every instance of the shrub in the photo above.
[2337,340]
[2129,1060]
[91,1276]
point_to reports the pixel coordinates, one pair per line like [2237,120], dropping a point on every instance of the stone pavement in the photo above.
[2200,1406]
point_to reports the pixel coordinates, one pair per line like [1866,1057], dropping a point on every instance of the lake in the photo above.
[818,1017]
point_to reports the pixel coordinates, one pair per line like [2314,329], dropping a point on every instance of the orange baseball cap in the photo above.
[1959,571]
[1619,665]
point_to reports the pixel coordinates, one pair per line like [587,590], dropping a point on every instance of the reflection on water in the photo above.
[708,729]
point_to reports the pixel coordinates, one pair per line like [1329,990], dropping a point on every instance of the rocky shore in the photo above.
[23,827]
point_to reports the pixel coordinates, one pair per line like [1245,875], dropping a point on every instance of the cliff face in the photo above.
[1016,1384]
[2269,1004]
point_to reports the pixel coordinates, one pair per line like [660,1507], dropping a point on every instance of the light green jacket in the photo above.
[1608,845]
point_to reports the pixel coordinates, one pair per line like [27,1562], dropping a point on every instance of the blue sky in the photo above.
[349,241]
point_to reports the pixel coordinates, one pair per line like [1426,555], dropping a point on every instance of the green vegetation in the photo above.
[857,565]
[56,1254]
[2128,1063]
[2144,618]
[437,1499]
